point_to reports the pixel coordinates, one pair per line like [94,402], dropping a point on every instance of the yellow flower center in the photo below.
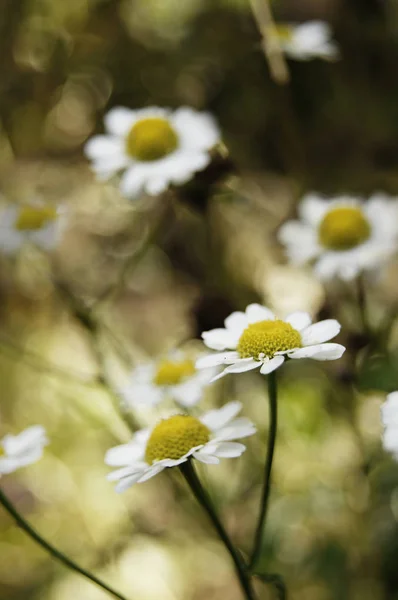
[172,372]
[284,33]
[151,139]
[263,339]
[174,437]
[32,218]
[344,228]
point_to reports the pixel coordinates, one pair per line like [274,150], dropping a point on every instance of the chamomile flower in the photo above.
[389,417]
[174,377]
[35,222]
[256,339]
[155,147]
[23,449]
[175,440]
[308,40]
[342,236]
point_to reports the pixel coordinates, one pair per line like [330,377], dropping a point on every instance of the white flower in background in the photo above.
[175,439]
[35,222]
[342,236]
[389,417]
[155,147]
[23,449]
[308,40]
[174,377]
[256,339]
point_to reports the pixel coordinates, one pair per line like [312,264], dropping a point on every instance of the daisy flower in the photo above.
[35,222]
[389,417]
[155,147]
[342,236]
[308,40]
[256,339]
[175,440]
[174,377]
[23,449]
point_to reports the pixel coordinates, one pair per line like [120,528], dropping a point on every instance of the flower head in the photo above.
[257,339]
[342,236]
[155,147]
[308,40]
[174,377]
[176,439]
[23,449]
[389,417]
[34,222]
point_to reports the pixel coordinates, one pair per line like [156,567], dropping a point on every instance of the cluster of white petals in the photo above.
[193,133]
[224,428]
[303,240]
[310,340]
[22,449]
[312,39]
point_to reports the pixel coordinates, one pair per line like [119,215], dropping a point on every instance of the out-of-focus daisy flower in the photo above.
[174,377]
[389,417]
[155,147]
[308,40]
[342,236]
[23,449]
[35,222]
[175,440]
[256,339]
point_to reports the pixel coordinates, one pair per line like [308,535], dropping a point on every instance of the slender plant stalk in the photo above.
[363,309]
[10,508]
[270,43]
[273,423]
[202,497]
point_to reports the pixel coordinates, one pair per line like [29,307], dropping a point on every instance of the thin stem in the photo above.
[273,423]
[10,508]
[202,497]
[270,42]
[363,310]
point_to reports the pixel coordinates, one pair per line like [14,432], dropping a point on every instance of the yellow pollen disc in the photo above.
[344,228]
[284,33]
[32,218]
[174,437]
[151,139]
[172,372]
[264,338]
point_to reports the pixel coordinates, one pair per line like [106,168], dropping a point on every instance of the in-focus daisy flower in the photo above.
[174,377]
[342,236]
[308,40]
[176,439]
[256,339]
[23,449]
[155,147]
[35,222]
[389,417]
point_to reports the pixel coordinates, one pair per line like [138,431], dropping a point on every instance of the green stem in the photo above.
[273,422]
[10,508]
[200,494]
[363,310]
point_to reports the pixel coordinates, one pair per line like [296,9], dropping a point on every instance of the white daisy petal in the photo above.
[320,332]
[229,449]
[23,449]
[214,360]
[236,323]
[243,365]
[299,320]
[151,472]
[256,312]
[272,365]
[208,459]
[319,352]
[389,410]
[119,120]
[217,418]
[220,339]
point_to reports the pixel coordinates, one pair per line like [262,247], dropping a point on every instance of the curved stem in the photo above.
[200,494]
[273,423]
[10,508]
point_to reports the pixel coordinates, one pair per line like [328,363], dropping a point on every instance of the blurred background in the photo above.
[131,280]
